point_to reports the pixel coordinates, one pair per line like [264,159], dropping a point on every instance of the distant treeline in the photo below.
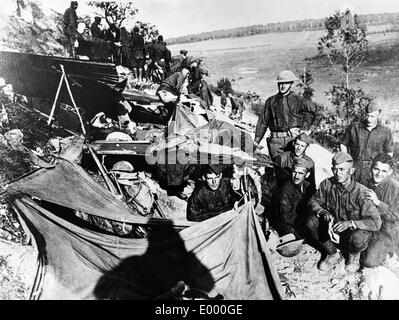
[289,26]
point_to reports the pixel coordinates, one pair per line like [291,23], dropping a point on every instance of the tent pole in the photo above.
[73,101]
[50,119]
[108,181]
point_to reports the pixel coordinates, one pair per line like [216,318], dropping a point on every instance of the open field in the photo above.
[255,61]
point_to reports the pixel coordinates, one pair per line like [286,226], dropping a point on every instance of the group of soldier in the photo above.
[128,49]
[356,210]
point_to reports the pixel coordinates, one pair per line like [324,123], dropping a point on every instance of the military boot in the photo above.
[328,262]
[352,264]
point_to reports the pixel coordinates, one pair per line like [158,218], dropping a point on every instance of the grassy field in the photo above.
[254,63]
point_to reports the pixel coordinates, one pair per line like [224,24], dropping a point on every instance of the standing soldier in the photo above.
[71,26]
[138,53]
[286,114]
[364,140]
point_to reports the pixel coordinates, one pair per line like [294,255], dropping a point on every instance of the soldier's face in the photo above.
[284,87]
[299,174]
[380,171]
[213,180]
[343,172]
[372,118]
[300,147]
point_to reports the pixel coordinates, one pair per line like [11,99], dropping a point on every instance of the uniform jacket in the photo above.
[388,193]
[282,113]
[346,204]
[363,144]
[205,203]
[173,83]
[70,22]
[289,203]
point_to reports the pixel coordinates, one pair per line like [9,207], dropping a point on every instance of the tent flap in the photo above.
[225,255]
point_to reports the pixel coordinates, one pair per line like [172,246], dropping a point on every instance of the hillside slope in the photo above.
[36,31]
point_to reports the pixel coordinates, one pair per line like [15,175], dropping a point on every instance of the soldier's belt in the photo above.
[282,134]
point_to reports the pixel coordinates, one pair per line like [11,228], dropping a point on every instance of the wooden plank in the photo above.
[121,147]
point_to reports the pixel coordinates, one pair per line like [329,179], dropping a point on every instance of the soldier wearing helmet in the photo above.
[364,140]
[286,114]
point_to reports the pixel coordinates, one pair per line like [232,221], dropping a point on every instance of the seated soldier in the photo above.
[285,160]
[340,212]
[212,196]
[290,200]
[384,192]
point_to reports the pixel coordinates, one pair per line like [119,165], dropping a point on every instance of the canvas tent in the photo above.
[226,255]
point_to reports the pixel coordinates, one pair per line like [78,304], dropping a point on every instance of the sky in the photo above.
[182,17]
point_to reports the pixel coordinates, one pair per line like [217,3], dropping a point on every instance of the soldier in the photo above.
[212,196]
[138,53]
[95,30]
[384,192]
[170,89]
[71,27]
[291,198]
[340,212]
[285,161]
[184,62]
[363,140]
[286,114]
[113,35]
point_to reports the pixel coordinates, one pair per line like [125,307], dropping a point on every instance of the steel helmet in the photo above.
[124,166]
[286,76]
[290,248]
[118,136]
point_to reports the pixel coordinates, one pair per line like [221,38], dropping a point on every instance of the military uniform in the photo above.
[363,145]
[289,208]
[282,113]
[344,204]
[70,28]
[205,203]
[387,239]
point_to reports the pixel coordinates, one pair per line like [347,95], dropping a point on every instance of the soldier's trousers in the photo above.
[277,145]
[383,242]
[351,241]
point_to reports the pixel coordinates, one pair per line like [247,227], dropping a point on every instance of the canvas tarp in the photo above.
[225,255]
[68,185]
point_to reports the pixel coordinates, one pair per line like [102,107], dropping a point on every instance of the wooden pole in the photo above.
[108,181]
[51,117]
[73,102]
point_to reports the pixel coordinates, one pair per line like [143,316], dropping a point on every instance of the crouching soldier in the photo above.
[384,192]
[290,200]
[340,211]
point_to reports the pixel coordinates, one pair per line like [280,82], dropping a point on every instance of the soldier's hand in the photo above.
[341,226]
[371,195]
[325,215]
